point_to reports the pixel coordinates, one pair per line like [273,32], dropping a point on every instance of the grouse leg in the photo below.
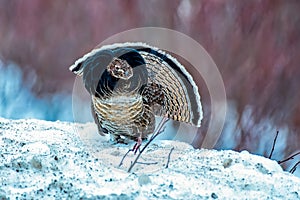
[137,145]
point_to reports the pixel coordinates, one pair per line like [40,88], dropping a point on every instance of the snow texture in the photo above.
[47,160]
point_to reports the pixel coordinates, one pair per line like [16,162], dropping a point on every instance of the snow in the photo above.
[46,160]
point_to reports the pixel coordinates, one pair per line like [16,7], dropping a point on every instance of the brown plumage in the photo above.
[130,83]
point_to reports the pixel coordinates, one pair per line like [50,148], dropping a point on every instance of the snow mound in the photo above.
[40,159]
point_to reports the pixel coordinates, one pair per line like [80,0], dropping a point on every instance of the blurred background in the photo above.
[255,45]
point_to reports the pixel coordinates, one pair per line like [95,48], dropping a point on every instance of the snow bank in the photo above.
[43,159]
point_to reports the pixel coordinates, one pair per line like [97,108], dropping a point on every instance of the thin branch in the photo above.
[121,163]
[169,157]
[160,125]
[289,158]
[158,131]
[274,142]
[147,163]
[294,167]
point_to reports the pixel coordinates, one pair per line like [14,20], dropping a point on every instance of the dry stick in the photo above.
[160,125]
[121,163]
[294,167]
[147,163]
[289,158]
[273,145]
[169,157]
[159,130]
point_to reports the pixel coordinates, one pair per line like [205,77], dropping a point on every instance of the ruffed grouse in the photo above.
[130,83]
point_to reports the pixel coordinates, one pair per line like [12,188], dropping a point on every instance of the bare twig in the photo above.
[169,157]
[274,142]
[294,167]
[158,131]
[121,163]
[147,163]
[289,158]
